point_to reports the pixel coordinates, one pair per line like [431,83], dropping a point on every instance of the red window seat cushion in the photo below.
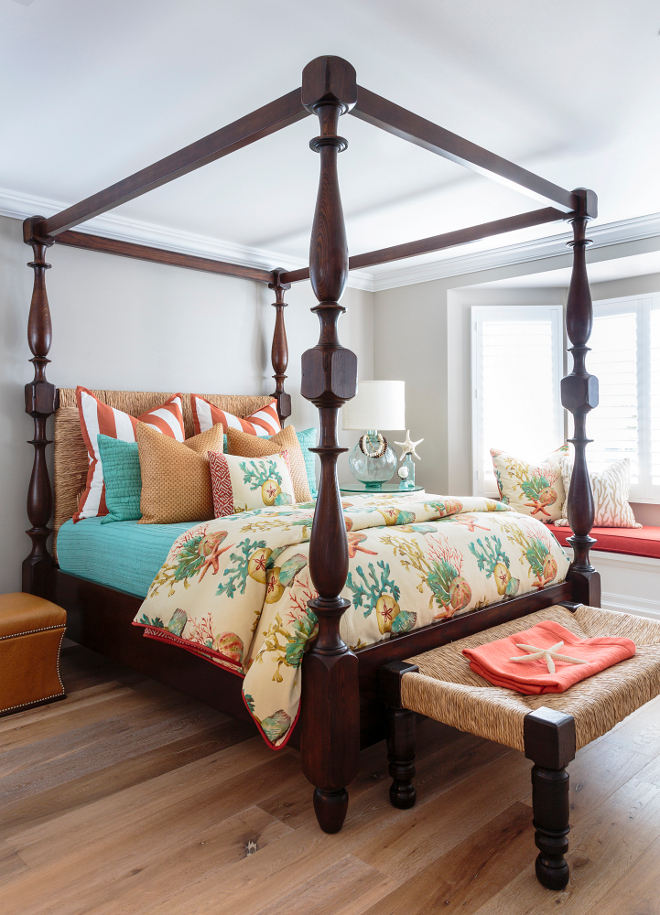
[636,541]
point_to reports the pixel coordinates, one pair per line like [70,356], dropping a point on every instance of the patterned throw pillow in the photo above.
[123,483]
[98,418]
[244,445]
[264,422]
[531,489]
[241,484]
[611,490]
[176,481]
[308,439]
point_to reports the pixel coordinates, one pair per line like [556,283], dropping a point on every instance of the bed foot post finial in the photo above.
[280,348]
[549,738]
[330,808]
[579,395]
[330,739]
[40,403]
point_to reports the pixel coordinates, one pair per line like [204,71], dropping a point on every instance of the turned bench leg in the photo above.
[401,735]
[550,744]
[401,756]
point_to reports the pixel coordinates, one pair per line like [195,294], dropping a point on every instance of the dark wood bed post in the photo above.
[330,738]
[40,403]
[280,348]
[579,394]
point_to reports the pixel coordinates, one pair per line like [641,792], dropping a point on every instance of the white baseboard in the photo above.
[630,584]
[638,606]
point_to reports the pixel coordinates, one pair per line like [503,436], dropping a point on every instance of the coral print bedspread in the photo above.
[235,590]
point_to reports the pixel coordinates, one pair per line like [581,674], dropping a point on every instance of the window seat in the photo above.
[643,541]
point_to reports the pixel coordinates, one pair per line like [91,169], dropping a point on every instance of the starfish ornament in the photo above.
[547,654]
[408,447]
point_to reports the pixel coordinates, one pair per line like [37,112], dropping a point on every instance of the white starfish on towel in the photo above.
[547,654]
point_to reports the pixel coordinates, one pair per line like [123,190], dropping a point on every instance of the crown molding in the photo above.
[122,228]
[111,225]
[613,233]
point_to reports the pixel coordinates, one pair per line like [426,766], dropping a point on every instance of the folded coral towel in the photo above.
[535,675]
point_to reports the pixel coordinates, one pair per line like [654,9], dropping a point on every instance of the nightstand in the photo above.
[387,489]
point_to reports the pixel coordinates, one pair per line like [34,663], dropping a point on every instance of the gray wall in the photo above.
[125,324]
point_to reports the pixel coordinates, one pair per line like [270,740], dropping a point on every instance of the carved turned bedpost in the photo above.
[579,394]
[40,403]
[280,348]
[330,738]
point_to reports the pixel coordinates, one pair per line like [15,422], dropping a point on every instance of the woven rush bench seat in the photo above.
[548,728]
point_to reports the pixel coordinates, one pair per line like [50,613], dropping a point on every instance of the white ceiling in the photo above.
[599,272]
[94,91]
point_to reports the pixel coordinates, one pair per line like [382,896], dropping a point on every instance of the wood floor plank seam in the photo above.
[151,808]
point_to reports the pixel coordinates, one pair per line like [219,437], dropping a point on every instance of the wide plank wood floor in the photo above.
[129,798]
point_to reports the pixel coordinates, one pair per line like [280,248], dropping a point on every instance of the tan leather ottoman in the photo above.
[31,633]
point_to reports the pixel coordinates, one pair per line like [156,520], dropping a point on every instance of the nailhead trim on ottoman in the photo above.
[31,634]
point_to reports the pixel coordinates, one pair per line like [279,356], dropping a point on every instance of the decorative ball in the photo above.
[402,473]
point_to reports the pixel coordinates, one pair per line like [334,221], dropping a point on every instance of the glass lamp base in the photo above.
[369,469]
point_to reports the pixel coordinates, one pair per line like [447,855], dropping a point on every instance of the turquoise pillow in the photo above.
[122,477]
[307,439]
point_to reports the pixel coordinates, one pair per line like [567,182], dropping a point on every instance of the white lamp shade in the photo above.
[377,405]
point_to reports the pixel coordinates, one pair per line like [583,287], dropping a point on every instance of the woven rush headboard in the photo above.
[70,453]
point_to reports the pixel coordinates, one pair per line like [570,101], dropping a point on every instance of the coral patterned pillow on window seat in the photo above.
[531,489]
[611,491]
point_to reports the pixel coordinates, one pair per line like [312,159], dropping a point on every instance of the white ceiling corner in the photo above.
[126,88]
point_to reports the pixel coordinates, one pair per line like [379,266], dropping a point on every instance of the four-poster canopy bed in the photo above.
[340,707]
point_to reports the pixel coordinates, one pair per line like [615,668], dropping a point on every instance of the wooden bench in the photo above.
[548,728]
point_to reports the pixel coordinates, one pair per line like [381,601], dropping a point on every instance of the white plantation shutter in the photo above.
[516,373]
[613,425]
[654,396]
[626,358]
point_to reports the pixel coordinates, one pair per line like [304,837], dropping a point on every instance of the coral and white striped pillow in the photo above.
[98,418]
[263,422]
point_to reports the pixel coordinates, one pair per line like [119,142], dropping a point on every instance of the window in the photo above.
[517,365]
[625,357]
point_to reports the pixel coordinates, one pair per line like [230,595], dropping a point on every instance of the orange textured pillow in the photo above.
[263,422]
[245,445]
[176,479]
[99,418]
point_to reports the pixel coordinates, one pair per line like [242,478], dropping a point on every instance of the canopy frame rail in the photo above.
[288,109]
[246,130]
[402,123]
[134,250]
[441,242]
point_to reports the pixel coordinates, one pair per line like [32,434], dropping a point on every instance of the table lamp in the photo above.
[377,405]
